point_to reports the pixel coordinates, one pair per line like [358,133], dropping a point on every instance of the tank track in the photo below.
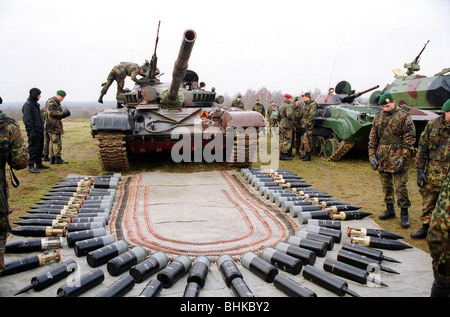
[343,148]
[112,151]
[249,152]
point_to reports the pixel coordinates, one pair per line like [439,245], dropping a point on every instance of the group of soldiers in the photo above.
[391,146]
[295,121]
[44,128]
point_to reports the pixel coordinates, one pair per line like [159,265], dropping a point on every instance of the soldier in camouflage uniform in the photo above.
[55,126]
[258,107]
[237,103]
[119,73]
[14,152]
[432,162]
[439,242]
[298,131]
[45,153]
[285,114]
[307,122]
[391,142]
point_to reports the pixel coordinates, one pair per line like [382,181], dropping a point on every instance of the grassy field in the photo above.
[351,180]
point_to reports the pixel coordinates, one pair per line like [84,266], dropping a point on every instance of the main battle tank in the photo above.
[342,122]
[180,116]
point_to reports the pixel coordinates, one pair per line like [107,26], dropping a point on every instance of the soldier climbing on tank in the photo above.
[308,115]
[432,162]
[119,73]
[391,142]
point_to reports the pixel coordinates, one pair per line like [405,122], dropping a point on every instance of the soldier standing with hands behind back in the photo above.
[433,163]
[308,115]
[55,114]
[286,117]
[391,142]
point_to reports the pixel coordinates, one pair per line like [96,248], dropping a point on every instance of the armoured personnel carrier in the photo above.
[342,122]
[418,91]
[180,116]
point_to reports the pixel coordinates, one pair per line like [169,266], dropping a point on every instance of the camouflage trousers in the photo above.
[307,141]
[395,183]
[429,198]
[3,235]
[296,139]
[285,140]
[46,143]
[438,238]
[55,146]
[110,79]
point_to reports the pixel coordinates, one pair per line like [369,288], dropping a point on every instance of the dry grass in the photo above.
[351,180]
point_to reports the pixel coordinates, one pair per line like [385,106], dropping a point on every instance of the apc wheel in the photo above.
[318,145]
[329,148]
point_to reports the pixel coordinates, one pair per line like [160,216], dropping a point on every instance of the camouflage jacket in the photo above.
[270,110]
[54,116]
[308,114]
[44,114]
[259,108]
[285,114]
[392,137]
[438,234]
[298,113]
[433,154]
[125,69]
[237,104]
[12,151]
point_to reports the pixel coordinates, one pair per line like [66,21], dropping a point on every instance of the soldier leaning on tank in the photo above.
[119,73]
[55,126]
[438,241]
[14,152]
[258,107]
[391,143]
[35,130]
[285,114]
[297,131]
[237,103]
[45,152]
[307,122]
[432,163]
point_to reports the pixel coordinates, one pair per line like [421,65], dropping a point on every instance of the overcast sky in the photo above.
[288,46]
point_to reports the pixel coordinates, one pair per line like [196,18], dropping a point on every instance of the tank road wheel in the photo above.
[335,150]
[318,145]
[245,149]
[112,151]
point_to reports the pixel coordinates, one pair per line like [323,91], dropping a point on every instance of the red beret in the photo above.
[287,96]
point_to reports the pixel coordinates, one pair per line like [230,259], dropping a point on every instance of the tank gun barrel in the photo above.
[351,96]
[366,91]
[181,64]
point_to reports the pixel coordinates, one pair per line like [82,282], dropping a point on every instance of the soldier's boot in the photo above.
[284,157]
[388,213]
[52,160]
[59,160]
[100,99]
[41,166]
[33,169]
[297,151]
[307,157]
[46,158]
[421,233]
[404,218]
[289,153]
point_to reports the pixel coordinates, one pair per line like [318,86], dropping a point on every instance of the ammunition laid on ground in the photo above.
[31,245]
[83,247]
[119,288]
[259,267]
[104,254]
[361,261]
[30,262]
[329,242]
[174,271]
[304,255]
[156,262]
[290,287]
[319,248]
[282,261]
[125,261]
[152,289]
[82,284]
[369,252]
[373,233]
[379,243]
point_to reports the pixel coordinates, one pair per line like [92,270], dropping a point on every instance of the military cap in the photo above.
[287,96]
[257,99]
[62,93]
[272,101]
[446,106]
[144,68]
[296,98]
[385,99]
[239,96]
[308,94]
